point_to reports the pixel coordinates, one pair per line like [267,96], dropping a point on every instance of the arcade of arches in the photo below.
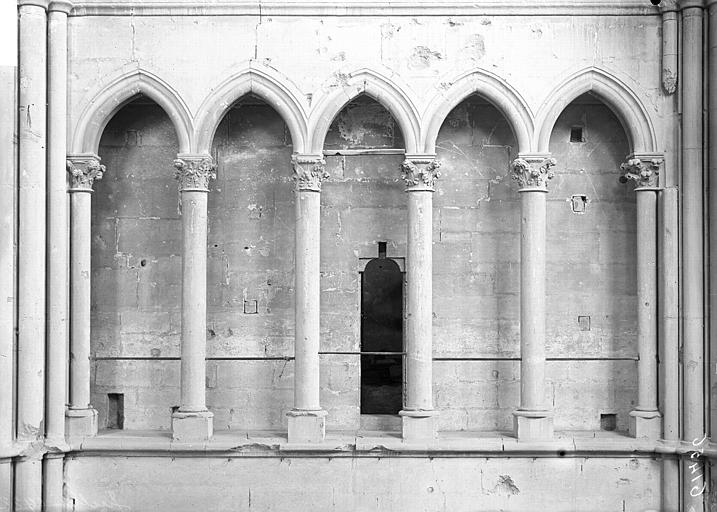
[334,257]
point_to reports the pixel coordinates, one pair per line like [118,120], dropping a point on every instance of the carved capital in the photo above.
[420,173]
[309,172]
[194,174]
[644,172]
[533,172]
[83,171]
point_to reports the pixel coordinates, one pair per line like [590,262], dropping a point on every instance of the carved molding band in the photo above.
[83,173]
[533,173]
[420,174]
[309,172]
[645,173]
[194,174]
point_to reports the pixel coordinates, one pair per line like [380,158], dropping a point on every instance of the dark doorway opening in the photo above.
[381,336]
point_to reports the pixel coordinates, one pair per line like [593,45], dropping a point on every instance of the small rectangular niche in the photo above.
[584,323]
[608,421]
[577,134]
[115,411]
[251,307]
[579,203]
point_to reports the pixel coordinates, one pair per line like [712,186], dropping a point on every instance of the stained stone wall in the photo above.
[136,266]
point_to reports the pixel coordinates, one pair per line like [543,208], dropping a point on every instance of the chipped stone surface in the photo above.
[366,483]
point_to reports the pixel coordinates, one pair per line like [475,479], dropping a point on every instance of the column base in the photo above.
[192,426]
[533,425]
[306,426]
[418,425]
[80,422]
[646,424]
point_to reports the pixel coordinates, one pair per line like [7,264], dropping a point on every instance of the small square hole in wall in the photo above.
[608,422]
[115,411]
[577,134]
[251,307]
[579,203]
[584,323]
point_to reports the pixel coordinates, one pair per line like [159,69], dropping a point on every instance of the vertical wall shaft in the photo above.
[647,299]
[80,290]
[8,215]
[57,225]
[419,302]
[692,238]
[194,300]
[31,247]
[532,299]
[306,389]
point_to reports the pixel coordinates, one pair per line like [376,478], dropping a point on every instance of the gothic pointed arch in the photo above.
[263,82]
[394,97]
[490,87]
[613,92]
[115,95]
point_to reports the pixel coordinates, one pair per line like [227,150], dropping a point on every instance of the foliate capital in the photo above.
[309,172]
[533,172]
[644,172]
[83,171]
[420,173]
[194,173]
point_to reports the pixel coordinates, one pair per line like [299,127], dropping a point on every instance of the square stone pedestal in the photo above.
[306,426]
[80,422]
[533,425]
[646,424]
[192,426]
[418,425]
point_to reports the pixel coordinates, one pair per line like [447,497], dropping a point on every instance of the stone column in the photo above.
[84,170]
[420,173]
[8,218]
[692,228]
[307,420]
[192,421]
[534,419]
[31,249]
[58,246]
[643,170]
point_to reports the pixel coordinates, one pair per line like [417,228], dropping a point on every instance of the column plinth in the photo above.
[192,421]
[84,170]
[307,420]
[645,420]
[418,416]
[533,419]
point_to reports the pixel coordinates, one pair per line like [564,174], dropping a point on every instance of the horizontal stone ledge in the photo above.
[382,444]
[358,353]
[401,8]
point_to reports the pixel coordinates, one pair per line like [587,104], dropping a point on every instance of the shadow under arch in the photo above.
[364,81]
[490,87]
[278,94]
[120,91]
[618,97]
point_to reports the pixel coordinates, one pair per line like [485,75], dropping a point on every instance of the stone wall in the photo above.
[137,278]
[363,484]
